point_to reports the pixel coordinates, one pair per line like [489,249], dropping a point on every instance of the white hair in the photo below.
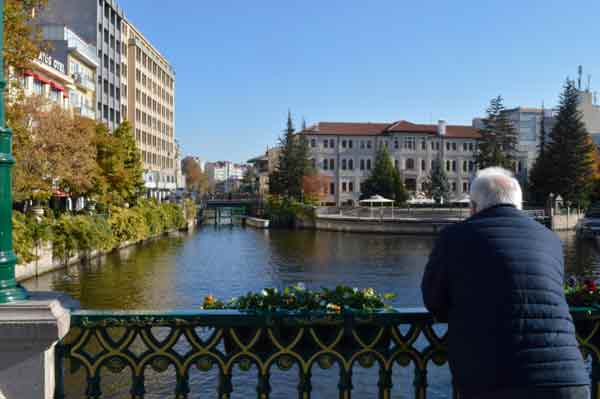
[495,186]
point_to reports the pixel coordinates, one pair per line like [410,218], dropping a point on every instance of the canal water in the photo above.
[226,261]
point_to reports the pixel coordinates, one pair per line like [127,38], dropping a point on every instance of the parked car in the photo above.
[589,226]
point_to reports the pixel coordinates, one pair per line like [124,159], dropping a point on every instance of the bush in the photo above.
[81,234]
[28,235]
[128,225]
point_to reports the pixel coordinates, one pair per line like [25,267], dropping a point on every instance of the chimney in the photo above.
[441,130]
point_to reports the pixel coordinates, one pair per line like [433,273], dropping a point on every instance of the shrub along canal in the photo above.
[178,271]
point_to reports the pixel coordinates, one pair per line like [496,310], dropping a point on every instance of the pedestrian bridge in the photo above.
[179,345]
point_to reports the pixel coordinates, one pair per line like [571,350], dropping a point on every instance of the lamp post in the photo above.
[10,291]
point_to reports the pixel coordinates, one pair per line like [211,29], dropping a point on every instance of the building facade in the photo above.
[97,22]
[345,154]
[80,61]
[151,110]
[48,78]
[225,176]
[264,165]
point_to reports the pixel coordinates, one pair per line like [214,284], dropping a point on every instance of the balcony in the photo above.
[173,344]
[84,81]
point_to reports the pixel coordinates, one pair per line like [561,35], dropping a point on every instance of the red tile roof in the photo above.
[375,129]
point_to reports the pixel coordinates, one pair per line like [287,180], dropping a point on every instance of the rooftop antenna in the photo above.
[595,98]
[589,82]
[579,72]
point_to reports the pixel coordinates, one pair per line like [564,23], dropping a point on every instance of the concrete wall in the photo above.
[566,222]
[389,226]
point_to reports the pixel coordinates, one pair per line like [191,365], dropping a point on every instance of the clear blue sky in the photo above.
[241,64]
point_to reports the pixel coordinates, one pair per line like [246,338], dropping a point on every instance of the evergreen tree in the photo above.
[437,185]
[538,176]
[569,154]
[384,179]
[293,165]
[498,142]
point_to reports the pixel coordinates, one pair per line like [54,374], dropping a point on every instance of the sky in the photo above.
[242,64]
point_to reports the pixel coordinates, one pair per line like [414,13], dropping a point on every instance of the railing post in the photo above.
[595,377]
[10,291]
[59,375]
[305,385]
[420,383]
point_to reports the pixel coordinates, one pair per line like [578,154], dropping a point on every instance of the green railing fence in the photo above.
[137,342]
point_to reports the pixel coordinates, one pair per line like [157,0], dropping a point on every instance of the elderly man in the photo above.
[497,279]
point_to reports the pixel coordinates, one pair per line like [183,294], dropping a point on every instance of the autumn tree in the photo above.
[53,149]
[315,186]
[22,37]
[195,179]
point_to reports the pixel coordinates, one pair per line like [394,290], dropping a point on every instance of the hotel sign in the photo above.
[48,60]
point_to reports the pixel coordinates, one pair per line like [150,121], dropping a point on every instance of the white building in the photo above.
[225,174]
[345,152]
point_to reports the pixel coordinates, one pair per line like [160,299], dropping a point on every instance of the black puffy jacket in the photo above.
[497,279]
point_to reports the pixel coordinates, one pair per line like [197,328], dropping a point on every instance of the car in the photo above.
[589,226]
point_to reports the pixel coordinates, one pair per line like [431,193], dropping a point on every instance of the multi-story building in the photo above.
[47,78]
[151,110]
[225,176]
[80,63]
[345,153]
[99,22]
[264,165]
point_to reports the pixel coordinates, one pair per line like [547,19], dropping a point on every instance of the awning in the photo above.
[57,86]
[376,199]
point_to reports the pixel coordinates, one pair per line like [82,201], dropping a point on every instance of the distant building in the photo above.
[225,176]
[264,165]
[345,153]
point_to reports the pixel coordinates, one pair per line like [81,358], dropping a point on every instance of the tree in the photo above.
[314,186]
[437,186]
[22,37]
[384,179]
[293,165]
[120,179]
[570,151]
[538,176]
[498,142]
[53,149]
[249,181]
[195,180]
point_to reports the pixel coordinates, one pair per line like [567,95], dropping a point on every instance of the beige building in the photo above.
[264,165]
[148,102]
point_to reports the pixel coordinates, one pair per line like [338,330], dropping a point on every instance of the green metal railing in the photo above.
[223,340]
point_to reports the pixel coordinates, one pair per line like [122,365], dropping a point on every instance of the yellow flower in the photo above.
[209,301]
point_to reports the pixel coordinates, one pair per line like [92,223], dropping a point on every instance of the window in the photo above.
[112,90]
[396,164]
[396,145]
[423,165]
[100,28]
[409,143]
[369,144]
[362,164]
[118,93]
[343,164]
[105,86]
[332,164]
[351,187]
[447,166]
[332,188]
[465,166]
[99,107]
[331,143]
[454,166]
[106,11]
[465,147]
[368,164]
[471,146]
[349,143]
[118,47]
[362,144]
[344,187]
[465,187]
[112,66]
[471,166]
[106,35]
[351,164]
[423,145]
[343,143]
[447,146]
[124,91]
[410,164]
[105,60]
[118,69]
[454,186]
[106,112]
[453,146]
[313,143]
[112,41]
[112,115]
[520,166]
[118,117]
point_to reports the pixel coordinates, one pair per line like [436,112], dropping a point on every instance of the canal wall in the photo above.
[379,225]
[47,263]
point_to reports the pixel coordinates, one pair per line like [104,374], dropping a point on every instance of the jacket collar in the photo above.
[497,210]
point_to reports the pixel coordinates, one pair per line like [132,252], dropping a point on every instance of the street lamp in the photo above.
[10,291]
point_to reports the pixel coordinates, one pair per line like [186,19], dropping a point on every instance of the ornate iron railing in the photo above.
[137,342]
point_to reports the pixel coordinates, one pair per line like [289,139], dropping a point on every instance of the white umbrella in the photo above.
[377,199]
